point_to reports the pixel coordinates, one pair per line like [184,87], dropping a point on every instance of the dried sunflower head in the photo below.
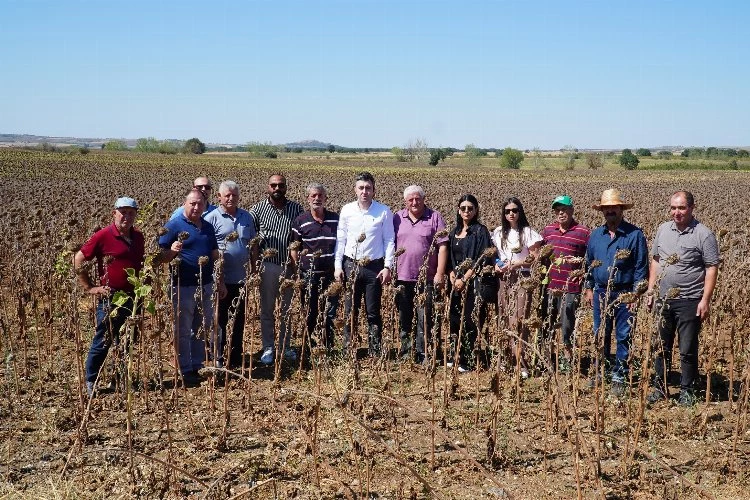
[364,261]
[295,245]
[672,259]
[546,250]
[361,238]
[595,263]
[203,260]
[233,236]
[183,235]
[399,252]
[622,254]
[442,233]
[673,293]
[335,288]
[628,297]
[641,287]
[270,253]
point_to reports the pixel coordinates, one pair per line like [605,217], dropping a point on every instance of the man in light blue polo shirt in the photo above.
[234,229]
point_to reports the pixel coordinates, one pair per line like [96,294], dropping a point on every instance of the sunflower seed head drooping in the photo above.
[306,251]
[622,254]
[295,245]
[574,260]
[641,287]
[233,236]
[202,260]
[488,252]
[442,233]
[515,250]
[628,297]
[595,263]
[577,273]
[546,251]
[183,235]
[399,252]
[364,261]
[672,259]
[270,253]
[361,238]
[335,288]
[673,293]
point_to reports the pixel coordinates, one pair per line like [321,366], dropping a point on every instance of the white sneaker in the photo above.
[449,364]
[90,388]
[268,356]
[290,355]
[463,369]
[524,373]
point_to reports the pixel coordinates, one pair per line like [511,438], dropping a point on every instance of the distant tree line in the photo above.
[712,153]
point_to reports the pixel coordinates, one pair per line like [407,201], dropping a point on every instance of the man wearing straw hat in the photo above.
[684,267]
[617,259]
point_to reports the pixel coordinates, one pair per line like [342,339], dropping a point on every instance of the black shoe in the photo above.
[191,379]
[655,396]
[687,399]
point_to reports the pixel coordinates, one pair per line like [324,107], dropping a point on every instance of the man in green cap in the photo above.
[563,292]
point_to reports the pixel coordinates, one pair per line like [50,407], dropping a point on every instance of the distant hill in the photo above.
[308,144]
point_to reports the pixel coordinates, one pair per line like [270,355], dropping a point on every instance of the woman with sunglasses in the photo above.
[469,241]
[517,246]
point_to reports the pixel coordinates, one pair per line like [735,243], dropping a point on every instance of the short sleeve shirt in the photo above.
[515,248]
[235,253]
[696,247]
[114,254]
[569,243]
[318,238]
[417,239]
[200,242]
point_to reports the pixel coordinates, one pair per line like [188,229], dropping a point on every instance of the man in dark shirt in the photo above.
[315,230]
[116,248]
[619,248]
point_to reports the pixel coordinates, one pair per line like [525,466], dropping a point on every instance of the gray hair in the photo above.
[316,186]
[414,189]
[229,186]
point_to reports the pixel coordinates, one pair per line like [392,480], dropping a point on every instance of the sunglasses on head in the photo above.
[466,208]
[207,187]
[277,184]
[511,211]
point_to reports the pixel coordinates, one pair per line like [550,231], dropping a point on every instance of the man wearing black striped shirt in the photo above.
[273,223]
[315,229]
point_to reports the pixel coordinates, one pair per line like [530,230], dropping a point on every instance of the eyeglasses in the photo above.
[511,211]
[277,184]
[207,187]
[466,208]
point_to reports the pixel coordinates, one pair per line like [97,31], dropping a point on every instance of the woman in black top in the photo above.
[469,256]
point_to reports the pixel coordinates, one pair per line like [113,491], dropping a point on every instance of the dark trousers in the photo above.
[315,285]
[473,315]
[364,284]
[232,306]
[678,317]
[562,309]
[107,332]
[406,308]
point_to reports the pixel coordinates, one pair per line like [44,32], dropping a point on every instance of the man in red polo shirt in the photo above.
[563,295]
[116,248]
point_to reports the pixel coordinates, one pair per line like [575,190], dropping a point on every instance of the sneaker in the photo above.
[524,373]
[618,389]
[90,389]
[463,369]
[655,396]
[268,356]
[290,355]
[687,399]
[449,364]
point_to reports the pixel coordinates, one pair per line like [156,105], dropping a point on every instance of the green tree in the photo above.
[436,155]
[194,146]
[262,149]
[570,153]
[398,153]
[147,145]
[511,158]
[643,152]
[331,148]
[115,146]
[628,160]
[664,155]
[472,154]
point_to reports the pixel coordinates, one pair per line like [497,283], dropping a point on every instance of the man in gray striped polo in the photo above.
[273,219]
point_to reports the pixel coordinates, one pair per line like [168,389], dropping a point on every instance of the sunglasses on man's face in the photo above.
[466,208]
[511,211]
[277,184]
[207,187]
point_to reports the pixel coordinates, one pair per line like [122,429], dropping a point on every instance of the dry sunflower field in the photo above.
[333,428]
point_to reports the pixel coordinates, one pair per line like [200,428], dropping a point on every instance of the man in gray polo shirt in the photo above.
[234,229]
[685,259]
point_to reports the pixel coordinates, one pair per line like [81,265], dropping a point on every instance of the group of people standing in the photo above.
[366,246]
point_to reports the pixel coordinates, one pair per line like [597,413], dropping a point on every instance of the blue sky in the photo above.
[592,74]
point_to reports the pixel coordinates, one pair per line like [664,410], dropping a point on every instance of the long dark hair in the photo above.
[523,222]
[475,220]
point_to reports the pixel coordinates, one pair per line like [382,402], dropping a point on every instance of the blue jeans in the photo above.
[107,333]
[623,321]
[191,350]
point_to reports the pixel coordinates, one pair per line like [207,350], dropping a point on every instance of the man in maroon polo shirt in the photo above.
[420,268]
[563,295]
[117,247]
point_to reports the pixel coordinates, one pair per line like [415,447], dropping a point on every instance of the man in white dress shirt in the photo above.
[364,253]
